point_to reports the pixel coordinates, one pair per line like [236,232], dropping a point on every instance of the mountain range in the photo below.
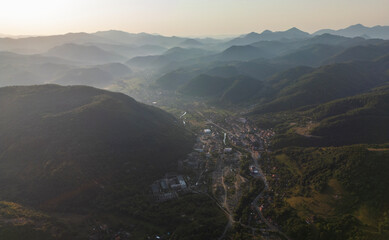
[74,157]
[268,35]
[84,54]
[359,30]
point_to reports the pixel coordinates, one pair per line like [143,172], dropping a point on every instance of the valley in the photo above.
[274,135]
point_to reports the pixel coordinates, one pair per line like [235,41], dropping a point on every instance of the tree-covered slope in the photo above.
[243,89]
[311,55]
[361,119]
[331,193]
[85,76]
[84,54]
[233,90]
[64,146]
[206,86]
[361,53]
[327,83]
[242,53]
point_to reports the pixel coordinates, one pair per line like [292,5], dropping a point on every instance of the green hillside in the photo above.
[85,76]
[331,193]
[361,53]
[62,144]
[84,157]
[241,53]
[323,186]
[243,89]
[260,70]
[327,83]
[235,90]
[173,80]
[360,119]
[206,86]
[311,55]
[289,77]
[84,54]
[353,120]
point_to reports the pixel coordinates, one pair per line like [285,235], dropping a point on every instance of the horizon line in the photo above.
[226,35]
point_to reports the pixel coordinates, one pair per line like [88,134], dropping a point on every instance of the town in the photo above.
[224,159]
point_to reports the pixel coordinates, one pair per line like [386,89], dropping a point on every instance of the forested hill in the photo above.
[63,146]
[325,84]
[352,120]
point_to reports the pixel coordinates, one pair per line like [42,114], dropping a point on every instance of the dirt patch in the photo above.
[319,205]
[378,149]
[306,130]
[16,221]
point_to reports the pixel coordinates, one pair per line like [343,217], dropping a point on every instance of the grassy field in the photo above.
[292,166]
[319,204]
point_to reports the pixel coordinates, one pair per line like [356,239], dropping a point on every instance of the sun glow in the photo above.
[30,16]
[33,10]
[184,17]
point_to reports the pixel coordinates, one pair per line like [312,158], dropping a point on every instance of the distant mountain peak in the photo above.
[358,30]
[357,26]
[147,34]
[294,29]
[112,31]
[267,35]
[266,31]
[75,34]
[252,34]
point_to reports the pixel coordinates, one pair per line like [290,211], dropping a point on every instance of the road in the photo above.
[255,156]
[254,203]
[218,126]
[225,205]
[198,180]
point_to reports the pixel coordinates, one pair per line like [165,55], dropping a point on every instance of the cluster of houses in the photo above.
[250,137]
[207,142]
[169,187]
[253,170]
[266,136]
[102,231]
[193,160]
[248,140]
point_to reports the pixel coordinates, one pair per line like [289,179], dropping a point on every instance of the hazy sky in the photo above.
[186,17]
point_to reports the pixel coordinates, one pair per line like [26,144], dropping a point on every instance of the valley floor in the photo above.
[224,165]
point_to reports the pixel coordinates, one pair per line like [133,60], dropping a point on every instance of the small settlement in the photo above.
[168,187]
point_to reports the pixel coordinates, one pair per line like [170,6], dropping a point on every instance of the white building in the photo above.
[228,150]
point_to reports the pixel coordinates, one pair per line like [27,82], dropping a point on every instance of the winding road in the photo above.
[255,156]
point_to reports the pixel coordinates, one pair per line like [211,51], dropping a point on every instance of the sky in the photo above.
[186,17]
